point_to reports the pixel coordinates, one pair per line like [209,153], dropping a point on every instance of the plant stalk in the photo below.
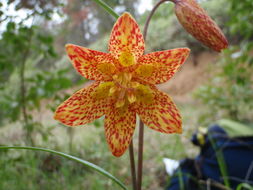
[132,163]
[140,155]
[29,139]
[141,125]
[150,16]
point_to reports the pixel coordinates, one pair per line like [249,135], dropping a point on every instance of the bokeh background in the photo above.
[36,76]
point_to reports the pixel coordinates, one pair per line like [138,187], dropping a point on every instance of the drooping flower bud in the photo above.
[196,21]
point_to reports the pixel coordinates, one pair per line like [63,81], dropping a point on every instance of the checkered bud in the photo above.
[196,21]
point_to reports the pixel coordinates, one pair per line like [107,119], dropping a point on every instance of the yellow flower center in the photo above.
[127,91]
[124,90]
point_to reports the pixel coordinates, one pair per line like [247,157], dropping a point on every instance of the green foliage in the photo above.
[42,171]
[241,15]
[30,47]
[229,93]
[28,73]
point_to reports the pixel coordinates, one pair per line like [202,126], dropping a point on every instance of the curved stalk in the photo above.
[150,16]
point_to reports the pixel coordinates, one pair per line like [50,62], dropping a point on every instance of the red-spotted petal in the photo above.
[126,37]
[91,64]
[83,107]
[119,129]
[159,67]
[160,114]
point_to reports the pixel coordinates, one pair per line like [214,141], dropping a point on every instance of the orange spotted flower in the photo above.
[124,86]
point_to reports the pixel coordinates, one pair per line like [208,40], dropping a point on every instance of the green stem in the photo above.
[29,139]
[83,162]
[107,8]
[244,186]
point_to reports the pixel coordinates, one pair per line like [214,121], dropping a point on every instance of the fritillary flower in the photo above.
[124,86]
[196,21]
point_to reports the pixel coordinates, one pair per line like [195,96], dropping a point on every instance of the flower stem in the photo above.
[141,125]
[23,101]
[107,8]
[150,16]
[132,163]
[140,155]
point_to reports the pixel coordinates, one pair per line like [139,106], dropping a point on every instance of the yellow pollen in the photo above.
[126,59]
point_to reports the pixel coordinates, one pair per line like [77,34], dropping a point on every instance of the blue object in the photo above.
[238,156]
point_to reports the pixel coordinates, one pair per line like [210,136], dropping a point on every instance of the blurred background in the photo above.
[36,76]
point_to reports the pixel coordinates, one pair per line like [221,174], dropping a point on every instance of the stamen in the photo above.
[135,84]
[120,103]
[131,97]
[121,98]
[128,76]
[115,77]
[112,90]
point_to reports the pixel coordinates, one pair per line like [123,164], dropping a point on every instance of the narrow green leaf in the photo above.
[221,161]
[244,186]
[83,162]
[107,8]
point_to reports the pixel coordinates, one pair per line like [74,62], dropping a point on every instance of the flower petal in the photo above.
[82,107]
[91,64]
[161,114]
[126,37]
[159,67]
[119,129]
